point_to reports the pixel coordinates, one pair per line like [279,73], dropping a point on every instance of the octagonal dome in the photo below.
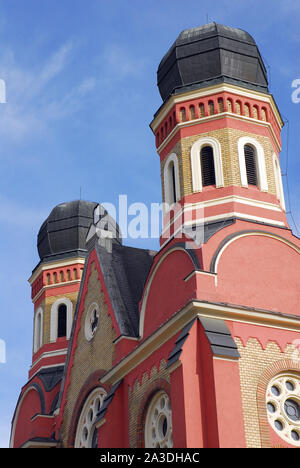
[63,233]
[208,55]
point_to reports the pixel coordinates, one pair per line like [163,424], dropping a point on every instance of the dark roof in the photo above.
[125,270]
[63,233]
[208,55]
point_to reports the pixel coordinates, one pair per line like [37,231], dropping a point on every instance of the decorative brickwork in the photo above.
[257,366]
[47,304]
[139,399]
[228,138]
[87,358]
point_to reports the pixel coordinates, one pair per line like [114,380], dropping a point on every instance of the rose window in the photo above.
[86,435]
[283,407]
[158,428]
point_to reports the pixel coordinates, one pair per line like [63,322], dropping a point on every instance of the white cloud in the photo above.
[30,107]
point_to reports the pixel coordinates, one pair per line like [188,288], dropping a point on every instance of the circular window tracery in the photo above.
[283,407]
[86,435]
[91,321]
[158,427]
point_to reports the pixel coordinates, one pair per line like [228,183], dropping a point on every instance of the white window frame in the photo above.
[260,162]
[167,183]
[54,318]
[278,182]
[38,334]
[196,162]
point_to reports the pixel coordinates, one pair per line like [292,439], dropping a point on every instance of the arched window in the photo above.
[38,330]
[252,163]
[158,425]
[251,168]
[171,176]
[238,107]
[62,321]
[86,433]
[206,163]
[207,166]
[171,180]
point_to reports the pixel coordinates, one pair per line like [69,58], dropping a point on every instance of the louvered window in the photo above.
[62,321]
[250,160]
[208,166]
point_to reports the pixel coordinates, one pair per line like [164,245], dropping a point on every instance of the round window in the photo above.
[283,407]
[91,321]
[86,435]
[158,427]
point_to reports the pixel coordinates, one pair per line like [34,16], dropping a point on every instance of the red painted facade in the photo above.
[201,310]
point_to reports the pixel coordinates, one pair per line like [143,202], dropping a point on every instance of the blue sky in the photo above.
[81,92]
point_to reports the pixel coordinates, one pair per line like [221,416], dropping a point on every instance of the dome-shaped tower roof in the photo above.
[208,55]
[63,233]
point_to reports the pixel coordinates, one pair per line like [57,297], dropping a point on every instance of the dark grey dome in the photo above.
[64,232]
[208,55]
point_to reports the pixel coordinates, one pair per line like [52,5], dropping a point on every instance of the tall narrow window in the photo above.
[39,331]
[172,182]
[250,161]
[62,321]
[208,166]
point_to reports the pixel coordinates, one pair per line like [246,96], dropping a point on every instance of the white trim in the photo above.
[278,181]
[55,265]
[194,309]
[15,419]
[260,162]
[189,123]
[54,318]
[214,202]
[255,233]
[49,354]
[38,321]
[148,286]
[211,91]
[168,189]
[196,162]
[224,216]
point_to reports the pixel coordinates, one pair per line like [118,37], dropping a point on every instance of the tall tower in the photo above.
[217,132]
[55,284]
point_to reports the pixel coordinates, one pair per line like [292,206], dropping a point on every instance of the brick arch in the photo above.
[278,367]
[90,384]
[153,388]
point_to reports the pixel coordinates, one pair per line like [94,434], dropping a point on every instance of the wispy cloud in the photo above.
[30,107]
